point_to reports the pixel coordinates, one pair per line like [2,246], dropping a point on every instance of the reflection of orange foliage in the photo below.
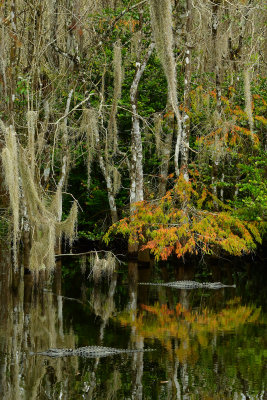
[164,309]
[191,328]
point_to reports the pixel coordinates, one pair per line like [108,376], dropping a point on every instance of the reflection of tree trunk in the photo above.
[169,291]
[5,310]
[103,306]
[28,288]
[104,310]
[26,239]
[184,377]
[57,282]
[29,321]
[133,279]
[137,367]
[175,380]
[137,341]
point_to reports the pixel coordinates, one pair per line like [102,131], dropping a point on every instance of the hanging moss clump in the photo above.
[28,201]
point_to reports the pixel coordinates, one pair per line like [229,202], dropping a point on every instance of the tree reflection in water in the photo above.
[206,348]
[208,345]
[30,321]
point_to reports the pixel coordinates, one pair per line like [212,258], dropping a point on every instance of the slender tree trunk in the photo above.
[187,84]
[215,23]
[53,16]
[136,173]
[222,191]
[248,101]
[165,153]
[13,56]
[105,172]
[71,27]
[178,141]
[111,196]
[136,164]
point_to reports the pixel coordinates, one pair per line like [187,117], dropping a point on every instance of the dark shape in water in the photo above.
[88,352]
[189,285]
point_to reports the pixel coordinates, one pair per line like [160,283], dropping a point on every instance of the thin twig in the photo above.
[74,108]
[90,252]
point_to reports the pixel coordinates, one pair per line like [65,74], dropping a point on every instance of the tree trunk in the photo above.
[165,153]
[187,84]
[136,173]
[215,23]
[136,164]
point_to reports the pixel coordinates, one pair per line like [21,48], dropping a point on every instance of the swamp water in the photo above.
[208,344]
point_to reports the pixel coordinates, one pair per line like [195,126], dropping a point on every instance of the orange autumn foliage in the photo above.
[184,221]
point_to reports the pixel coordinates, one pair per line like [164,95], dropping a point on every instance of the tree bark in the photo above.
[187,84]
[215,23]
[214,29]
[136,173]
[166,152]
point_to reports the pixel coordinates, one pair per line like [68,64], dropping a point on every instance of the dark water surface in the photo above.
[208,344]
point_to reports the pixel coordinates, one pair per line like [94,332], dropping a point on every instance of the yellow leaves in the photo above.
[202,198]
[253,227]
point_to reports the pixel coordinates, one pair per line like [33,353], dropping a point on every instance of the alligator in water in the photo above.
[88,352]
[189,285]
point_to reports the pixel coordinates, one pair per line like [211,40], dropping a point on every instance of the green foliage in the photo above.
[252,201]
